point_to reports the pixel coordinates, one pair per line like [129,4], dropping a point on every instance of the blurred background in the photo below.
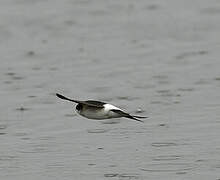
[154,58]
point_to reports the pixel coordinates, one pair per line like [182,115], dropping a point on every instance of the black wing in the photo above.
[94,103]
[88,103]
[65,98]
[128,115]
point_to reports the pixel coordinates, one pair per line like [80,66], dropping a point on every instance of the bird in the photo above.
[98,110]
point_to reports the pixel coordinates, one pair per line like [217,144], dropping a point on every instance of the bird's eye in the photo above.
[78,107]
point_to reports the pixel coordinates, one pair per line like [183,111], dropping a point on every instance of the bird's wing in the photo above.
[124,114]
[65,98]
[88,103]
[94,103]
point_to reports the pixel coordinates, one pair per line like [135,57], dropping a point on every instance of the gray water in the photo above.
[155,58]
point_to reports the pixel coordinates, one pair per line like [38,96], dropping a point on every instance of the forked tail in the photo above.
[126,115]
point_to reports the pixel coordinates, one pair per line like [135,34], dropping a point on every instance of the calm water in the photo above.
[159,59]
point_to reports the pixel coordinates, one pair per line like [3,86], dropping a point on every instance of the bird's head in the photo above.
[79,107]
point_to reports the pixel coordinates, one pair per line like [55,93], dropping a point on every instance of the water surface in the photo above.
[159,59]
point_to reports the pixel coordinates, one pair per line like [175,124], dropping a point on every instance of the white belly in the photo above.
[99,113]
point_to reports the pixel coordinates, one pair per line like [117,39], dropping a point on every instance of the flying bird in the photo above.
[99,110]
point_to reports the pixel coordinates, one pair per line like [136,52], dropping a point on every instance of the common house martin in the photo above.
[92,109]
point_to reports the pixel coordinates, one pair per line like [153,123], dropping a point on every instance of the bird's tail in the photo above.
[139,116]
[123,114]
[133,117]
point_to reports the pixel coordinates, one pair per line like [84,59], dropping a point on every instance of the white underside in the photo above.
[104,113]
